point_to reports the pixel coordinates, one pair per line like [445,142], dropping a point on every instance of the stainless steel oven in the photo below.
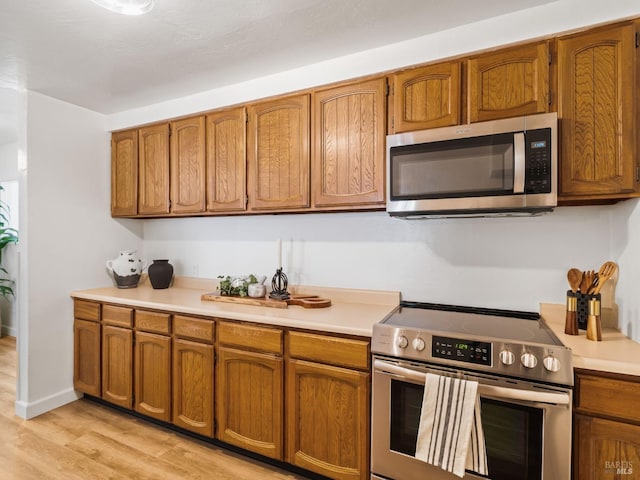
[525,390]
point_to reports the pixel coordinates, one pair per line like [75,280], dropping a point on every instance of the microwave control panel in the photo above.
[461,350]
[537,161]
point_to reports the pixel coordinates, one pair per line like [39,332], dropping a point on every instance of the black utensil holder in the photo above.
[583,307]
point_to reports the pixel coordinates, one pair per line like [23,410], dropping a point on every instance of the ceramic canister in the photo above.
[126,269]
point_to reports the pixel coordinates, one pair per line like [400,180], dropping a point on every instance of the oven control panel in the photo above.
[461,350]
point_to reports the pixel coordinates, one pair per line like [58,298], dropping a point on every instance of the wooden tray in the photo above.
[306,301]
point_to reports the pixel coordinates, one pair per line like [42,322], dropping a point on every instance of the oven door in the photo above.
[527,426]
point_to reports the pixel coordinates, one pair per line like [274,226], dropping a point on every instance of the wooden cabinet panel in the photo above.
[120,316]
[154,322]
[192,386]
[262,339]
[86,357]
[328,419]
[326,349]
[188,165]
[152,359]
[86,310]
[249,401]
[509,82]
[194,328]
[605,449]
[278,154]
[426,97]
[596,107]
[117,365]
[349,144]
[226,160]
[153,165]
[606,396]
[124,173]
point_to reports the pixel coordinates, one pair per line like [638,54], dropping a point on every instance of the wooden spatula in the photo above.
[607,270]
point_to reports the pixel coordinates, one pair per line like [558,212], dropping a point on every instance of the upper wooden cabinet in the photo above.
[426,97]
[188,165]
[597,110]
[124,173]
[349,144]
[509,82]
[153,165]
[226,160]
[278,154]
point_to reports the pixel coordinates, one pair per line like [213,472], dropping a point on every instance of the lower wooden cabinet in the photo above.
[249,401]
[192,386]
[606,431]
[117,365]
[86,357]
[328,419]
[152,362]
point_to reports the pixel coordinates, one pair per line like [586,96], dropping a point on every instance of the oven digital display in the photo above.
[461,350]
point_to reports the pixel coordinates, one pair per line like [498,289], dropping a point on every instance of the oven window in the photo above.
[513,433]
[406,404]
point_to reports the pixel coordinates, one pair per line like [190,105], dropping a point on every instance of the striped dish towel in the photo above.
[450,434]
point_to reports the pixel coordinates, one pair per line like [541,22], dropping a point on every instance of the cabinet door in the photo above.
[596,109]
[249,401]
[509,82]
[117,365]
[152,357]
[188,165]
[86,357]
[327,419]
[192,386]
[153,163]
[226,160]
[278,154]
[124,173]
[426,97]
[349,140]
[605,449]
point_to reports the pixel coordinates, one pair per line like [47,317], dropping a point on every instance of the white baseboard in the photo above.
[7,331]
[28,410]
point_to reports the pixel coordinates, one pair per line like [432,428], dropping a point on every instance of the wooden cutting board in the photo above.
[306,301]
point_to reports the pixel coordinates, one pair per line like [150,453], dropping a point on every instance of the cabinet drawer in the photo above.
[613,397]
[153,322]
[332,350]
[121,316]
[256,338]
[86,310]
[194,328]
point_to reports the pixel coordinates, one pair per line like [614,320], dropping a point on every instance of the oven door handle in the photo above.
[502,393]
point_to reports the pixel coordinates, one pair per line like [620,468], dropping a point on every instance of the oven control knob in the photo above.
[418,344]
[402,341]
[507,357]
[551,363]
[528,360]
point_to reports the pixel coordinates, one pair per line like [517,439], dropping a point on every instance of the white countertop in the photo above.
[616,353]
[352,312]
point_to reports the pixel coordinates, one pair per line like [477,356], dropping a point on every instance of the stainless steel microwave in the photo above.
[498,168]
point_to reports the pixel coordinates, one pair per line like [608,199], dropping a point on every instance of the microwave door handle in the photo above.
[518,162]
[484,390]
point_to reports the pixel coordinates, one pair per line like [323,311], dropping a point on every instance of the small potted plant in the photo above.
[7,235]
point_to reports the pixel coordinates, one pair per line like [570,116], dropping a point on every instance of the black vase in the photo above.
[160,274]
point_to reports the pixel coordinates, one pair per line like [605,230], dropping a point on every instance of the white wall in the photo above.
[8,162]
[67,235]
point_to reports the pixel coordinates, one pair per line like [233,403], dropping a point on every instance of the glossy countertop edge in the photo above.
[353,311]
[616,353]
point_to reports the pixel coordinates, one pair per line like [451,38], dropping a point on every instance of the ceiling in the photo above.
[76,51]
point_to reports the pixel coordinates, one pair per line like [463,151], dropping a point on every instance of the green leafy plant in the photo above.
[7,235]
[236,286]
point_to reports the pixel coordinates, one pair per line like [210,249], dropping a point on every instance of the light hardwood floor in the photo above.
[84,440]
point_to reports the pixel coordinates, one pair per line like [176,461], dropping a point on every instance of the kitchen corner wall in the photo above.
[66,236]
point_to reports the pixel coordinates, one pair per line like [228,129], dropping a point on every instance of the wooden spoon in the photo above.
[574,276]
[607,270]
